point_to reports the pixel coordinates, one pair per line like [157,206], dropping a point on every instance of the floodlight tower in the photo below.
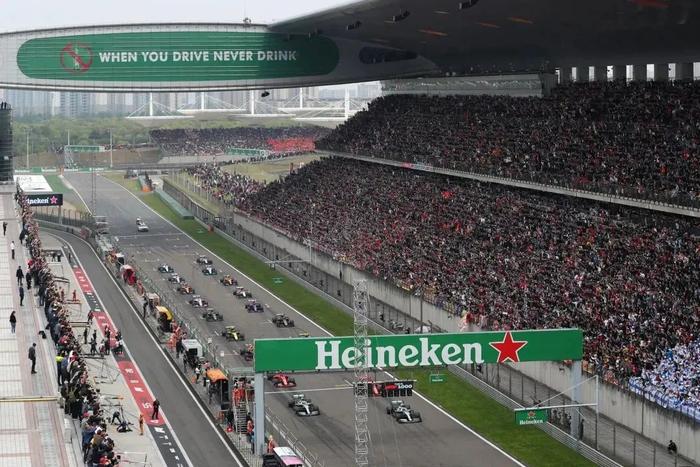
[361,307]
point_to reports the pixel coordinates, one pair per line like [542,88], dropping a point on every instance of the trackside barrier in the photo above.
[280,431]
[174,205]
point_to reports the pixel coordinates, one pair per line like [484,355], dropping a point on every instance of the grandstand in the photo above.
[598,98]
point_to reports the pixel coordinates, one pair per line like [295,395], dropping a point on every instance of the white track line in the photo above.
[299,391]
[436,407]
[165,357]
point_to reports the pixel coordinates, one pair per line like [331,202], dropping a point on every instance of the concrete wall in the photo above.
[624,407]
[336,279]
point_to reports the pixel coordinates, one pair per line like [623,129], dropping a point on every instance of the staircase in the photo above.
[239,415]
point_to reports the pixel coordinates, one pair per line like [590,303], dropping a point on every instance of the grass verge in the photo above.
[484,415]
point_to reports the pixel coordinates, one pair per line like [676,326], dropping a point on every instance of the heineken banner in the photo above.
[419,350]
[530,416]
[45,199]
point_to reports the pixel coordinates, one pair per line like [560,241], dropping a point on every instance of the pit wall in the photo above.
[323,272]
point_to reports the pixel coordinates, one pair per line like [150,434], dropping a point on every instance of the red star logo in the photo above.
[53,200]
[508,348]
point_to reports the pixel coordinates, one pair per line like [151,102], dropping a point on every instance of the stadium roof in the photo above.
[516,35]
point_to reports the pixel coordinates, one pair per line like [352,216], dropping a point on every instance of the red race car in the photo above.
[281,380]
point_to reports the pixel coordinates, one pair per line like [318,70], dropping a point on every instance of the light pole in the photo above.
[29,130]
[110,148]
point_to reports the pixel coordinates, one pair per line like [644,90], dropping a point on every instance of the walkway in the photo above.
[31,433]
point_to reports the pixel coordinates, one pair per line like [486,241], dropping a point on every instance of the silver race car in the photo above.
[303,406]
[403,413]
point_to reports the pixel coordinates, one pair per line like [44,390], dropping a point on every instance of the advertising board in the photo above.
[419,350]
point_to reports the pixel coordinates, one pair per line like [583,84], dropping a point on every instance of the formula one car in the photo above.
[165,268]
[231,333]
[247,352]
[253,306]
[241,292]
[142,227]
[403,413]
[283,321]
[198,301]
[281,380]
[176,278]
[209,271]
[185,289]
[228,280]
[201,259]
[303,406]
[211,315]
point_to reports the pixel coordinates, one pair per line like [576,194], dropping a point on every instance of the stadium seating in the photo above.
[504,258]
[215,141]
[638,139]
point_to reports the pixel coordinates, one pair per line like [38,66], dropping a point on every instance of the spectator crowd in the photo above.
[675,382]
[634,139]
[80,398]
[218,141]
[228,188]
[505,258]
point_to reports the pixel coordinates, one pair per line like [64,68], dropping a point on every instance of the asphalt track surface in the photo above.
[438,441]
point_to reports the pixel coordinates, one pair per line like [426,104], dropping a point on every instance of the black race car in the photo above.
[209,271]
[211,315]
[281,380]
[403,413]
[166,268]
[201,259]
[282,321]
[303,406]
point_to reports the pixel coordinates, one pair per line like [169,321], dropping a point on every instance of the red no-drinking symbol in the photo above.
[76,57]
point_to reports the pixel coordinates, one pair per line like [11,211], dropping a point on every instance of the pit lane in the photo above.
[439,440]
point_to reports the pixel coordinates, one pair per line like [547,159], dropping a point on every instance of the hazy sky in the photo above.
[36,14]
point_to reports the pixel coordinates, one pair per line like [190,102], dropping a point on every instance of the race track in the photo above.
[438,441]
[182,411]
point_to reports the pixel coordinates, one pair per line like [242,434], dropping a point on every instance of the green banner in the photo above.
[415,350]
[83,148]
[177,56]
[531,417]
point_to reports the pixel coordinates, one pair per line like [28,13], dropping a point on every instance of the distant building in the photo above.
[6,169]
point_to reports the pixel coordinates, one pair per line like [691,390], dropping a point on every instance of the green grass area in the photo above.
[493,421]
[272,170]
[57,184]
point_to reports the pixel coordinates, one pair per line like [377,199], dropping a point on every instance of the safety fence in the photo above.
[66,217]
